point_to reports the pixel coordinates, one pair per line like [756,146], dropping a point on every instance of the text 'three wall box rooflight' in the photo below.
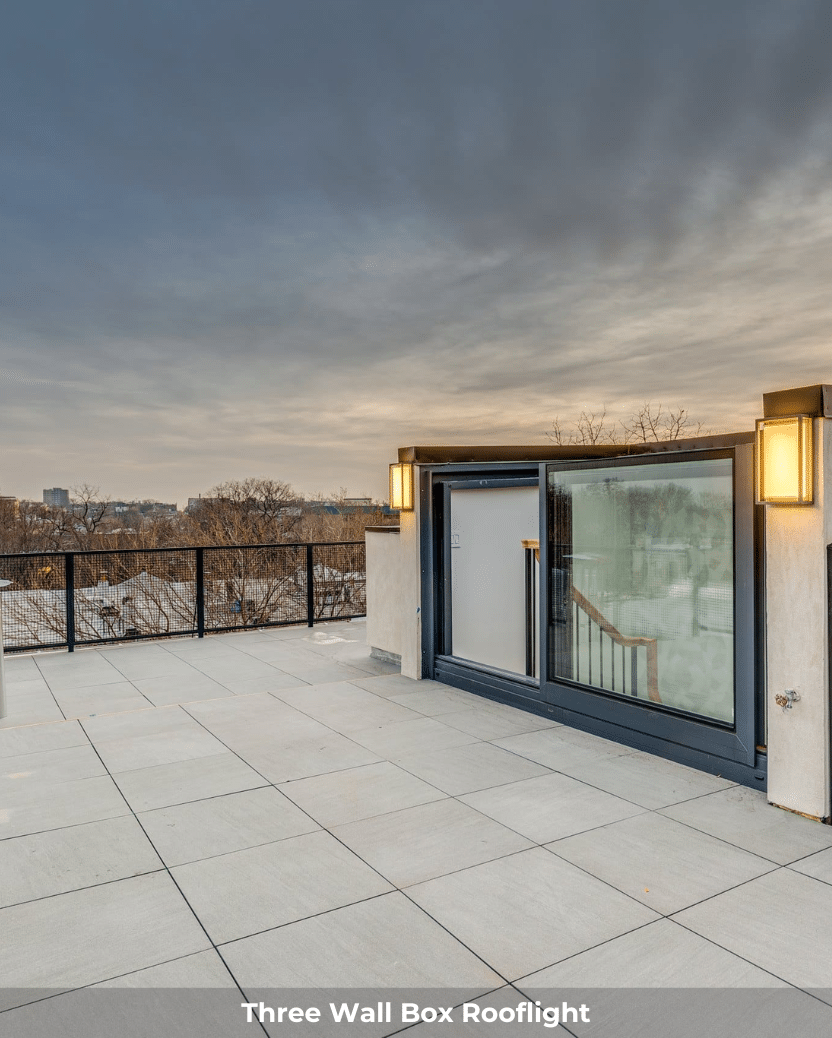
[785,460]
[401,486]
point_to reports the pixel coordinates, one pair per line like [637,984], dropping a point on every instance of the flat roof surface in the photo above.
[275,811]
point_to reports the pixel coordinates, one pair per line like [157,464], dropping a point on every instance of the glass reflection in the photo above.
[642,582]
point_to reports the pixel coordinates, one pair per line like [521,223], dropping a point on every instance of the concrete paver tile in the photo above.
[347,796]
[551,807]
[52,806]
[85,855]
[264,887]
[662,863]
[744,817]
[205,828]
[659,955]
[405,738]
[185,781]
[36,738]
[780,922]
[562,747]
[419,843]
[476,765]
[647,780]
[92,925]
[528,910]
[386,942]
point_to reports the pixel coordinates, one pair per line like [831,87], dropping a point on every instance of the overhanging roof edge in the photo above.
[437,455]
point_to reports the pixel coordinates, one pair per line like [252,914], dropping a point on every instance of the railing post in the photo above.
[200,592]
[69,573]
[310,587]
[633,671]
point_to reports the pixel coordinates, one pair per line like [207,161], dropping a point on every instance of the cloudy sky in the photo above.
[285,238]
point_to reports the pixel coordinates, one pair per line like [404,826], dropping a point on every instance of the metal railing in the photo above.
[64,599]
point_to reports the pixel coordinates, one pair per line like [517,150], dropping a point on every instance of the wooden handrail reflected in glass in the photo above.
[612,632]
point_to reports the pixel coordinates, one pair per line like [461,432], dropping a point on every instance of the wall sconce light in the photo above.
[785,460]
[401,486]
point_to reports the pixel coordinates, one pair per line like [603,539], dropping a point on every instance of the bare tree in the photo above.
[591,427]
[650,423]
[88,510]
[248,511]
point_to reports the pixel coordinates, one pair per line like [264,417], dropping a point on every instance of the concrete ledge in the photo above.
[385,656]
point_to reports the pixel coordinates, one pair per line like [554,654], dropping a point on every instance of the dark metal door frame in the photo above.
[732,754]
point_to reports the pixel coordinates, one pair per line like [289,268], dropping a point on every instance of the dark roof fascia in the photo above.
[815,401]
[426,455]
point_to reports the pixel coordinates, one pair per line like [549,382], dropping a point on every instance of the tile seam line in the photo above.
[690,828]
[729,843]
[663,807]
[61,828]
[87,886]
[242,850]
[486,817]
[395,888]
[806,857]
[736,886]
[181,893]
[118,976]
[469,792]
[51,693]
[716,944]
[593,947]
[345,735]
[668,915]
[485,994]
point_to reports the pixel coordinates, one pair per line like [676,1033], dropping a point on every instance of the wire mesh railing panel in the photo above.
[340,581]
[131,594]
[34,605]
[85,598]
[250,586]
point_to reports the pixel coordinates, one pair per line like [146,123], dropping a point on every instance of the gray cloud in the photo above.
[258,236]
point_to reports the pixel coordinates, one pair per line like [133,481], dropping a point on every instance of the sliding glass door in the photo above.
[649,581]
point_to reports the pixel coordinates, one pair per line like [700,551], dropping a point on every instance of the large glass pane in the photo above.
[642,582]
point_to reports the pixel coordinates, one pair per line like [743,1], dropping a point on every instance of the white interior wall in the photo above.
[488,589]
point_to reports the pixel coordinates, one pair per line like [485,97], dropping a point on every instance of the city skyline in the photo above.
[284,240]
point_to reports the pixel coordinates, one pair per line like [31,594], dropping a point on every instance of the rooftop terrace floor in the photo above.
[277,810]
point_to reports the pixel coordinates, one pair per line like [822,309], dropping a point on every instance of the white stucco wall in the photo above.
[394,592]
[797,642]
[2,669]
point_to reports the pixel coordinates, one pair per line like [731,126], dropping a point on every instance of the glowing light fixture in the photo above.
[784,460]
[401,486]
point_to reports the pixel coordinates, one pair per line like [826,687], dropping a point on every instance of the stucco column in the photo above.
[410,601]
[394,590]
[797,642]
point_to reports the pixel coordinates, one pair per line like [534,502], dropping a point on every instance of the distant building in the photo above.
[57,497]
[9,504]
[141,508]
[347,506]
[195,503]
